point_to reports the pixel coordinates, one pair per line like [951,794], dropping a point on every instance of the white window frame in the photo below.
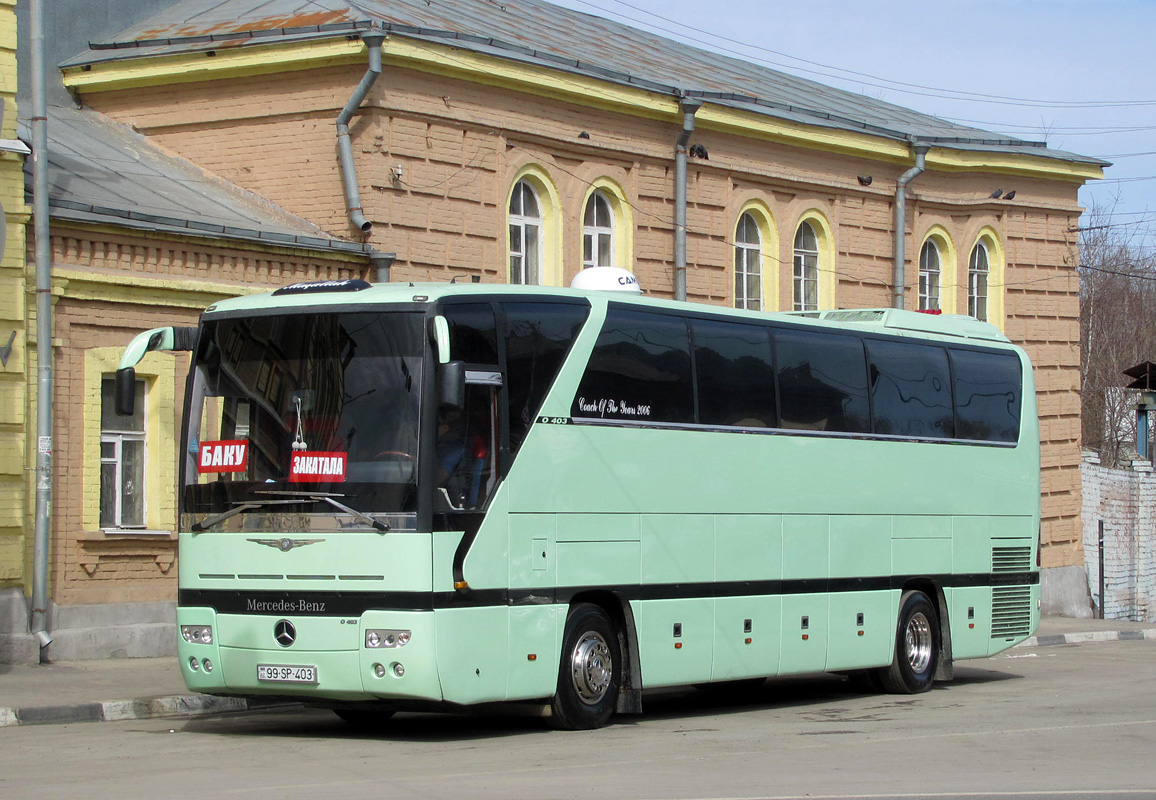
[596,234]
[117,437]
[748,263]
[930,277]
[978,287]
[806,269]
[525,235]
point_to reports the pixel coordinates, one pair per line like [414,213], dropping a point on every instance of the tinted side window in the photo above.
[538,337]
[473,334]
[639,370]
[736,379]
[910,389]
[822,381]
[988,387]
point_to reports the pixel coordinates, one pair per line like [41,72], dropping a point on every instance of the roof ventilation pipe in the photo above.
[373,42]
[900,249]
[689,107]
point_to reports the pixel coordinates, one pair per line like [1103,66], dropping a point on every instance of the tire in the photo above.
[364,718]
[917,647]
[589,671]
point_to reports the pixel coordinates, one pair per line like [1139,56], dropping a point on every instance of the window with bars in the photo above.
[123,456]
[748,264]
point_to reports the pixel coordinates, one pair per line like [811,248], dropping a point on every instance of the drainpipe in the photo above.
[42,528]
[690,107]
[900,249]
[373,42]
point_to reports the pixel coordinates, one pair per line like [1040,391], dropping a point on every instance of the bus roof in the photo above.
[313,295]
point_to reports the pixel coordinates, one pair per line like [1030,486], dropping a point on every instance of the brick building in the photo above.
[492,141]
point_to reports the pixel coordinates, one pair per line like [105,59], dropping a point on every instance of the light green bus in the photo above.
[429,496]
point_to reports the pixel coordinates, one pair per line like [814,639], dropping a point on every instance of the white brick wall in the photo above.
[1125,500]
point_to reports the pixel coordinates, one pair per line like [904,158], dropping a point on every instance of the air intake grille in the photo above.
[1011,559]
[1011,611]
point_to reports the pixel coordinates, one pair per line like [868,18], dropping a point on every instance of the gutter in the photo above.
[689,107]
[373,42]
[899,276]
[43,522]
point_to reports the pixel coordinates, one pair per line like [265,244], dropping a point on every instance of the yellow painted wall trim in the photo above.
[438,59]
[258,248]
[541,81]
[83,285]
[227,63]
[947,160]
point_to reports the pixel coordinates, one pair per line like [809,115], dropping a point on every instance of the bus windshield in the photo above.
[303,413]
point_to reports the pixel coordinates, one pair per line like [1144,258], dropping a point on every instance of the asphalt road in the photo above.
[1073,721]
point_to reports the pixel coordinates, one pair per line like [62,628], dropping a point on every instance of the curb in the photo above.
[196,705]
[178,705]
[1049,640]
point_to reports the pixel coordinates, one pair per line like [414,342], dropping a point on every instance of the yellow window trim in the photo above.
[159,372]
[551,208]
[623,220]
[545,82]
[768,249]
[948,269]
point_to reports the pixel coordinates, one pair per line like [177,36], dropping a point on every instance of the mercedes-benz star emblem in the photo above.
[284,632]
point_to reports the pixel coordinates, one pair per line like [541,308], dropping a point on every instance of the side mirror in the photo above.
[452,385]
[125,391]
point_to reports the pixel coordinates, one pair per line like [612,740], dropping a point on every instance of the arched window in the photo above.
[525,235]
[929,276]
[598,232]
[748,264]
[806,280]
[978,269]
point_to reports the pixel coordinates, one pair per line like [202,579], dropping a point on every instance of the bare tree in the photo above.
[1117,328]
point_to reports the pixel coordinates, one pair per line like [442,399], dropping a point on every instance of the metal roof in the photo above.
[537,32]
[103,172]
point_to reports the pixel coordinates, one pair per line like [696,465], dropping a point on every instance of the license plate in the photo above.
[285,673]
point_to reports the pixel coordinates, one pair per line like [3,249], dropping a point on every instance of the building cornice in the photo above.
[544,81]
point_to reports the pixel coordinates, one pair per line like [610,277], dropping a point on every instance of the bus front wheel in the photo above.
[589,671]
[917,649]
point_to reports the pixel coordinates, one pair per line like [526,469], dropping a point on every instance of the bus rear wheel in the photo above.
[589,671]
[917,650]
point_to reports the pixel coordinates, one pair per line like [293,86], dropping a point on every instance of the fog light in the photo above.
[193,665]
[197,634]
[379,670]
[208,665]
[398,669]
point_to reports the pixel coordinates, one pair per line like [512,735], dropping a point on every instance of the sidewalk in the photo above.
[143,688]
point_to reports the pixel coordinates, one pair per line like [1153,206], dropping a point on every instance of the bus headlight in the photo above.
[197,634]
[385,637]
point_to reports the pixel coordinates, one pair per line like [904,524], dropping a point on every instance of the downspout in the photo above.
[43,528]
[690,107]
[373,42]
[899,277]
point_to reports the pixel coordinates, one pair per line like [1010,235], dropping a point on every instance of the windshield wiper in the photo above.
[295,499]
[361,517]
[245,505]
